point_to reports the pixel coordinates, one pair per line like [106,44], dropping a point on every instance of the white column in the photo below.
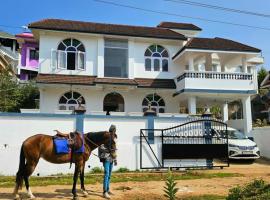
[247,114]
[225,112]
[208,62]
[131,55]
[41,100]
[100,59]
[191,64]
[192,105]
[14,46]
[244,64]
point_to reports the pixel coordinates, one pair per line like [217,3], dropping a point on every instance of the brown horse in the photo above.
[42,146]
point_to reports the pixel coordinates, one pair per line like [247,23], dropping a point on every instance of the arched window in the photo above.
[156,58]
[70,101]
[156,102]
[70,55]
[114,102]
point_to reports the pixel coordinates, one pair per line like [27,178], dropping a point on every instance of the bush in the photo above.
[256,190]
[170,188]
[122,170]
[96,170]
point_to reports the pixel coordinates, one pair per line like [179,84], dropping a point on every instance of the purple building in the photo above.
[28,63]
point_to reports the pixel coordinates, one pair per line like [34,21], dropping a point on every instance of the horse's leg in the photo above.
[15,191]
[85,193]
[75,178]
[30,167]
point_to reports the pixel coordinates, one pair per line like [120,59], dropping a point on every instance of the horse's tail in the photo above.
[20,173]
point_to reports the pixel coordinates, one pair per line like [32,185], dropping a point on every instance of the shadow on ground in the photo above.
[58,194]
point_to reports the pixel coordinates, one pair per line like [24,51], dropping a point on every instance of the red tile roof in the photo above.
[181,26]
[219,44]
[101,28]
[65,79]
[93,80]
[116,81]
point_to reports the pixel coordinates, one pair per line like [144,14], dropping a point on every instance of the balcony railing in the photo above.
[215,75]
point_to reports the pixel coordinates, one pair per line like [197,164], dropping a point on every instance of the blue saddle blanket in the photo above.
[61,146]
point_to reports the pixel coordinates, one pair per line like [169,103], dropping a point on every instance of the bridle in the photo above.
[96,145]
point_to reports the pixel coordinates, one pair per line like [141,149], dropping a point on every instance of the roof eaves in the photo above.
[115,34]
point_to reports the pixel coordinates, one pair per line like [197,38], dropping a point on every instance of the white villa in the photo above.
[121,68]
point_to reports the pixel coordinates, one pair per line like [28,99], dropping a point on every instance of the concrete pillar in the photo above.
[131,55]
[244,64]
[99,70]
[191,64]
[192,105]
[247,116]
[225,116]
[14,46]
[223,68]
[41,100]
[208,62]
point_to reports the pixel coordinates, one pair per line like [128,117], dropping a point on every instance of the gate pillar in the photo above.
[80,117]
[208,136]
[150,114]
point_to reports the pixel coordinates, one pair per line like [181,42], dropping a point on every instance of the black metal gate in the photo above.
[203,139]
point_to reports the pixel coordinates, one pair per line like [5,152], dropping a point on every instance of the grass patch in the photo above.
[206,197]
[96,170]
[122,170]
[9,181]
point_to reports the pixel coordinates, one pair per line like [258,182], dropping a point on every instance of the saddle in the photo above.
[74,139]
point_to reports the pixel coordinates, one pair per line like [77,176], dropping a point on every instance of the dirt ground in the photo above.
[154,189]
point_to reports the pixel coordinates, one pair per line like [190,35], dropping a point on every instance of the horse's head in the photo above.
[110,141]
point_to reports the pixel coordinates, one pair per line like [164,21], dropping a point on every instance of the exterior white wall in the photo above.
[94,98]
[50,41]
[262,137]
[94,46]
[25,127]
[128,131]
[139,67]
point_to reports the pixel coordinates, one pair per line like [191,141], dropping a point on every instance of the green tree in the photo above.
[262,73]
[14,96]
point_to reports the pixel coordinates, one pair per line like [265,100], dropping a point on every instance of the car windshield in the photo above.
[234,134]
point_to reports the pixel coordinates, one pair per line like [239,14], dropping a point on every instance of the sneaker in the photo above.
[106,195]
[110,193]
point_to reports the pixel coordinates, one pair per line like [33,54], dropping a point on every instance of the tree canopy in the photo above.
[14,96]
[262,73]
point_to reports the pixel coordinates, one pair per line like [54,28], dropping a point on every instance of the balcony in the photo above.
[216,81]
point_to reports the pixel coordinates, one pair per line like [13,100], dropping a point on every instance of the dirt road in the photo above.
[154,189]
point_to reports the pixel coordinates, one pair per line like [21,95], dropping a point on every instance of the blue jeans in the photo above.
[107,175]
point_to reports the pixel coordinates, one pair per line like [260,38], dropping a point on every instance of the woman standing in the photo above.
[107,156]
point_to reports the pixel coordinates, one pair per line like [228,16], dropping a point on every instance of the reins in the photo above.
[89,140]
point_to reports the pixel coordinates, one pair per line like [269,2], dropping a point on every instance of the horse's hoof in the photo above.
[85,194]
[76,198]
[16,197]
[32,197]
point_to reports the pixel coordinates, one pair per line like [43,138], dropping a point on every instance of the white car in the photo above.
[240,147]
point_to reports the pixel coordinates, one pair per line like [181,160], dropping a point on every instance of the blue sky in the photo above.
[19,13]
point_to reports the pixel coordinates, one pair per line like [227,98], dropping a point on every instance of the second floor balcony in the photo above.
[216,81]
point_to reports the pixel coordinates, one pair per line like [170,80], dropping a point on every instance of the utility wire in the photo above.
[198,4]
[183,16]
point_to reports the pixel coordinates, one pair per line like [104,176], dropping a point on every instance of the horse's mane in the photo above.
[96,136]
